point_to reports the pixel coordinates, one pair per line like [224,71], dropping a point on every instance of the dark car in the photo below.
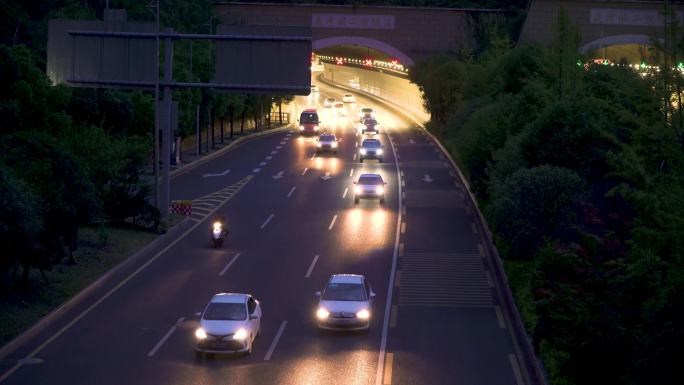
[369,126]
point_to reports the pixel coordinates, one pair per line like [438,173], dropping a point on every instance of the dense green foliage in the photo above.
[580,173]
[75,157]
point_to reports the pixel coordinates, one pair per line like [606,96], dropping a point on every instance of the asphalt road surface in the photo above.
[293,223]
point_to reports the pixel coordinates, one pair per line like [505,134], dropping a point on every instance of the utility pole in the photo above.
[168,124]
[156,122]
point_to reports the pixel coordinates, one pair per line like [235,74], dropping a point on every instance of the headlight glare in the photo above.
[239,335]
[333,144]
[363,151]
[363,314]
[301,126]
[322,313]
[200,333]
[379,151]
[379,190]
[358,190]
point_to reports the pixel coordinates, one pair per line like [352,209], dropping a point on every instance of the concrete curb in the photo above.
[239,141]
[74,301]
[533,372]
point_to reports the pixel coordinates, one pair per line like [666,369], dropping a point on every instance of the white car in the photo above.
[348,98]
[369,186]
[327,142]
[345,303]
[229,324]
[329,102]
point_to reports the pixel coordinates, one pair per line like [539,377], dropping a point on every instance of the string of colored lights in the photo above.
[391,66]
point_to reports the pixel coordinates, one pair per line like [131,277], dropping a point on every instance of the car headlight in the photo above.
[379,190]
[363,151]
[319,144]
[322,313]
[358,190]
[378,151]
[240,335]
[333,144]
[200,334]
[363,314]
[315,128]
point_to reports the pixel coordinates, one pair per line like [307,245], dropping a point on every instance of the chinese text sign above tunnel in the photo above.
[347,21]
[265,65]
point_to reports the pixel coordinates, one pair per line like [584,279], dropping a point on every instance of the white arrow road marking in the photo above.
[212,175]
[327,176]
[278,175]
[427,179]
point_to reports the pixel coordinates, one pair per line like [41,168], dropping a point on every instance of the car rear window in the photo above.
[344,292]
[367,110]
[369,180]
[327,137]
[225,311]
[370,144]
[370,122]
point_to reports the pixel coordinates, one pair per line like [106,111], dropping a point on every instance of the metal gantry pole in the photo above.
[167,126]
[156,121]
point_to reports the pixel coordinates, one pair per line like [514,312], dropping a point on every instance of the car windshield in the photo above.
[327,138]
[367,110]
[347,96]
[308,117]
[370,144]
[344,292]
[331,100]
[369,180]
[370,122]
[226,311]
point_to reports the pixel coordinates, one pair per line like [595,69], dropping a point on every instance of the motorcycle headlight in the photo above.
[379,152]
[358,190]
[217,226]
[200,334]
[363,151]
[379,190]
[240,335]
[322,313]
[363,314]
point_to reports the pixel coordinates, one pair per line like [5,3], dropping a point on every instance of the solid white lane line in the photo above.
[229,263]
[269,353]
[387,377]
[305,170]
[403,227]
[166,336]
[500,317]
[332,223]
[390,285]
[266,221]
[263,164]
[291,191]
[90,308]
[344,194]
[313,263]
[516,368]
[351,172]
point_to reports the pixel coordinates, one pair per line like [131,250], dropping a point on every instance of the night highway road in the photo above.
[294,223]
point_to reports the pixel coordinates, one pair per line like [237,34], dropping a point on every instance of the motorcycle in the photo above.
[218,234]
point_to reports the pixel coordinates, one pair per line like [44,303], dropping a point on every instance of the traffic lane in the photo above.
[211,176]
[298,340]
[470,349]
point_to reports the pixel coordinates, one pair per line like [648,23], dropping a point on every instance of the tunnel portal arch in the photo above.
[364,41]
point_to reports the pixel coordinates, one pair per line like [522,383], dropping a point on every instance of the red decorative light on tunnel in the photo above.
[368,62]
[394,63]
[339,60]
